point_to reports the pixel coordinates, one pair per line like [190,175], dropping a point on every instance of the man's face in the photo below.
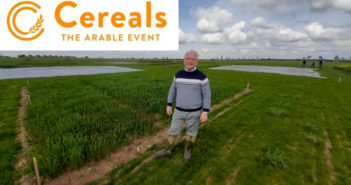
[190,61]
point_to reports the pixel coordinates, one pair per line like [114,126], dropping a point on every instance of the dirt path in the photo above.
[228,100]
[95,170]
[314,175]
[232,145]
[21,116]
[225,102]
[328,146]
[347,143]
[226,110]
[22,138]
[233,176]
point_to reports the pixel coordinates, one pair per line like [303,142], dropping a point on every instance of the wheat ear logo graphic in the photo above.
[37,25]
[34,31]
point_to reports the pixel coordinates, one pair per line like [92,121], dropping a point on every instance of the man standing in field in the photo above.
[191,91]
[320,62]
[303,62]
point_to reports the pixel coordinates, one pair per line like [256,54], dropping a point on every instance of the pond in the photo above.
[270,69]
[38,72]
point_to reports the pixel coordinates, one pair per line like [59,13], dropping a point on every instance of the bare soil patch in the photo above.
[232,178]
[232,145]
[226,110]
[208,180]
[228,100]
[323,117]
[328,146]
[95,170]
[347,143]
[314,175]
[143,162]
[293,147]
[237,141]
[22,136]
[22,161]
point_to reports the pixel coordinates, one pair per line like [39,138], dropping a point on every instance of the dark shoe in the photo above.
[163,153]
[187,151]
[168,149]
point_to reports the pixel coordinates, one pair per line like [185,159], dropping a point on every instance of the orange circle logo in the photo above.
[33,31]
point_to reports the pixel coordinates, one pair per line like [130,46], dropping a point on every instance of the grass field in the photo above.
[9,104]
[290,130]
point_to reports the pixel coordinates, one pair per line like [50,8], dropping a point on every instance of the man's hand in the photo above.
[203,118]
[169,110]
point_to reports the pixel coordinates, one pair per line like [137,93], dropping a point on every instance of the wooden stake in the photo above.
[248,85]
[30,102]
[36,170]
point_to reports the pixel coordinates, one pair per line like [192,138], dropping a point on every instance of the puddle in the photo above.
[270,69]
[37,72]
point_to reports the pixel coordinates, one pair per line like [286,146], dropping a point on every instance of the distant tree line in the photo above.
[2,56]
[45,56]
[341,59]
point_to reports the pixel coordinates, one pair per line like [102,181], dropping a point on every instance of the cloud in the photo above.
[186,37]
[234,33]
[213,38]
[257,31]
[264,37]
[285,34]
[322,5]
[288,5]
[207,26]
[274,32]
[212,19]
[260,23]
[271,5]
[316,31]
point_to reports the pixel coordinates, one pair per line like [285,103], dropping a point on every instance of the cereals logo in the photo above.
[33,31]
[89,25]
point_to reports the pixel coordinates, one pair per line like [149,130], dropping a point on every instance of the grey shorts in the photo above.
[192,119]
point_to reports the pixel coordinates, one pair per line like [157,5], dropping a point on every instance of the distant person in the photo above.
[191,91]
[320,62]
[313,63]
[304,63]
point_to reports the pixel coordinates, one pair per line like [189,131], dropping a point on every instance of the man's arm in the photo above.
[171,96]
[206,99]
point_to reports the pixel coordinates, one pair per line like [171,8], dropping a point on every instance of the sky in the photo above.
[283,29]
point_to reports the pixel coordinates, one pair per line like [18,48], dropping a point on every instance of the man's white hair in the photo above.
[192,51]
